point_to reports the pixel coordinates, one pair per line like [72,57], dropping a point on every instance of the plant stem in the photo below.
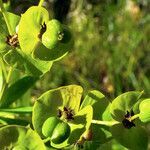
[46,140]
[4,13]
[1,6]
[7,82]
[3,68]
[41,3]
[9,75]
[106,123]
[134,117]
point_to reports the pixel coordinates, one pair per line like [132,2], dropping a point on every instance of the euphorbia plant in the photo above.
[61,117]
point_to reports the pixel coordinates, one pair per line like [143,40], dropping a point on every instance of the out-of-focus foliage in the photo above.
[111,44]
[111,47]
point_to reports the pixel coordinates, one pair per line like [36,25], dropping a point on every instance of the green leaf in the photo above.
[90,145]
[16,90]
[80,124]
[98,101]
[13,20]
[112,145]
[30,26]
[17,136]
[16,121]
[124,103]
[20,110]
[134,138]
[27,63]
[101,134]
[14,59]
[48,104]
[144,107]
[3,34]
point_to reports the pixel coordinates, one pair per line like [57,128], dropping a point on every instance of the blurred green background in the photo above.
[111,49]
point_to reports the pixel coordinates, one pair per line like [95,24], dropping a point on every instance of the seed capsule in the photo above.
[57,130]
[56,36]
[60,133]
[49,126]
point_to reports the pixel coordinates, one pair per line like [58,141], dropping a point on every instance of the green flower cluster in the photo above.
[33,42]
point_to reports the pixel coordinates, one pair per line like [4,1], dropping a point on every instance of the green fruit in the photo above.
[57,130]
[53,34]
[60,133]
[56,35]
[145,111]
[49,126]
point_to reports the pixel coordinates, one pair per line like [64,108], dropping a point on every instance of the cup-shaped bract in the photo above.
[57,42]
[30,27]
[43,39]
[145,110]
[49,104]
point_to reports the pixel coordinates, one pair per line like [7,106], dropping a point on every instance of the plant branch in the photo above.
[3,68]
[134,117]
[9,75]
[46,140]
[106,123]
[41,3]
[4,13]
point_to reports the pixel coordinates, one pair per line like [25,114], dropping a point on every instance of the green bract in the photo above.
[123,103]
[128,131]
[98,101]
[43,39]
[100,134]
[145,110]
[29,28]
[50,102]
[15,137]
[61,46]
[13,55]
